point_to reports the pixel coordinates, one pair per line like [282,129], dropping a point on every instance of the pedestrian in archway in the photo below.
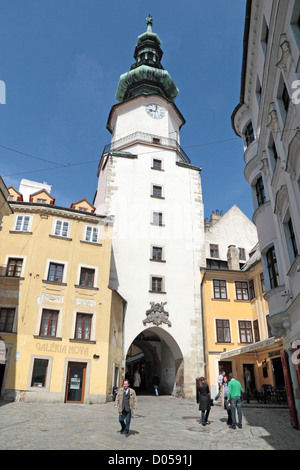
[204,400]
[155,383]
[136,381]
[126,402]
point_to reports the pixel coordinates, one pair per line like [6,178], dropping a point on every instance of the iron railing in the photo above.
[148,139]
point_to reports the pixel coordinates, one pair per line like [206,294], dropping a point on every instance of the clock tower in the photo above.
[148,184]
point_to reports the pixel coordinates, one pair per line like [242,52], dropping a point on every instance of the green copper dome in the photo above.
[147,75]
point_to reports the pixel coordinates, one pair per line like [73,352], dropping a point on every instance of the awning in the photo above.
[2,352]
[253,347]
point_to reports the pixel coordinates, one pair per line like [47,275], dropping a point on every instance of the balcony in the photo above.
[148,139]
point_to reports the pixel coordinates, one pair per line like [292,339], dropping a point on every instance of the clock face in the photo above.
[155,111]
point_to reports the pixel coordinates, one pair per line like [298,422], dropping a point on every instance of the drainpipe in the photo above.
[202,314]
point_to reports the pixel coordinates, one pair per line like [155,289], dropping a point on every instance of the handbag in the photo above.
[211,402]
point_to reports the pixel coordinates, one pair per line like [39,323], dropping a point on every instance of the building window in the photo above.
[260,191]
[55,273]
[291,240]
[245,329]
[157,284]
[262,282]
[157,191]
[223,331]
[264,35]
[157,218]
[219,289]
[22,223]
[157,164]
[272,267]
[14,267]
[241,289]
[49,323]
[39,373]
[83,326]
[251,289]
[7,316]
[249,134]
[285,98]
[214,251]
[87,277]
[91,234]
[157,253]
[256,331]
[61,228]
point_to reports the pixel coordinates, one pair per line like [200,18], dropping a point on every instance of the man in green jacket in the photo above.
[234,398]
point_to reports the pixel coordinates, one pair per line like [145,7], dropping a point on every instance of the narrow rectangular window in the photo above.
[219,289]
[272,267]
[157,218]
[260,191]
[91,234]
[157,253]
[251,289]
[61,228]
[292,238]
[49,323]
[83,326]
[214,251]
[39,373]
[7,316]
[245,329]
[241,289]
[223,331]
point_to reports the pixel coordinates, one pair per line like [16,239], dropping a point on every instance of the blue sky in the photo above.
[61,61]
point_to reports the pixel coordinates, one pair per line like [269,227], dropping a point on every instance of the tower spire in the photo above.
[149,20]
[147,75]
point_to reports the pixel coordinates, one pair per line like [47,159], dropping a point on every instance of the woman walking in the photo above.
[203,398]
[224,403]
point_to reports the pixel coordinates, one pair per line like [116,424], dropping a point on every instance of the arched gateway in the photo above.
[154,352]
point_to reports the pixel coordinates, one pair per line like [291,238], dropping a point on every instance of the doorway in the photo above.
[75,382]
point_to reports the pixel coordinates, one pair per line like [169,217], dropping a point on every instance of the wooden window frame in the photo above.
[84,316]
[246,331]
[8,324]
[217,288]
[52,263]
[53,315]
[214,250]
[223,325]
[85,272]
[17,267]
[242,290]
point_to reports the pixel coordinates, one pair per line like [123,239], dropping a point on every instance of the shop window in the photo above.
[39,373]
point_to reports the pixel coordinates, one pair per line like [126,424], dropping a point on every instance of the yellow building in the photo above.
[236,334]
[61,323]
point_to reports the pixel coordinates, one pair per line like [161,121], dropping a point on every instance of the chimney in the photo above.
[233,258]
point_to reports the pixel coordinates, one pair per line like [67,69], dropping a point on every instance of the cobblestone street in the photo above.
[163,423]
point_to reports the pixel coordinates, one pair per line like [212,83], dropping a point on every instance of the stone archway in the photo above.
[155,352]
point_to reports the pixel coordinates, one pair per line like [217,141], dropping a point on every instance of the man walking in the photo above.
[126,403]
[234,398]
